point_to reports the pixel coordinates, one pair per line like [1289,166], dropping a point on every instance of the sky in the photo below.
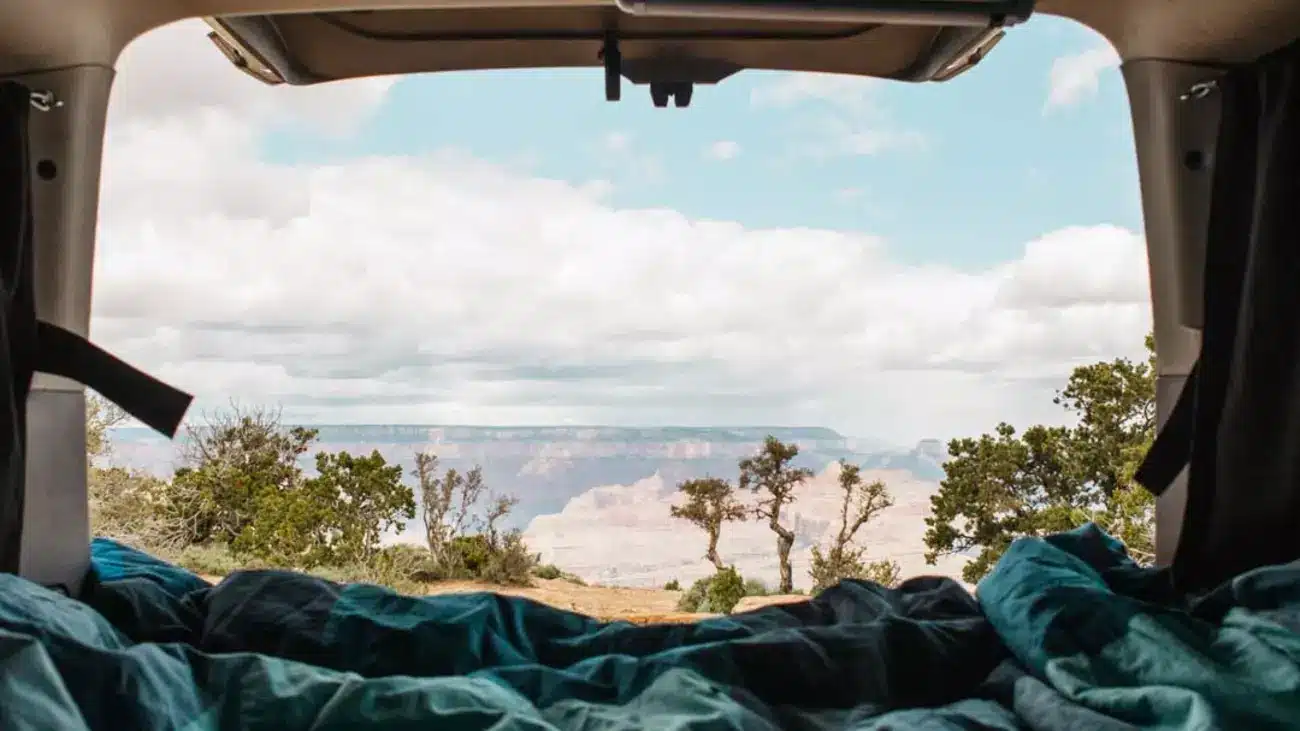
[889,260]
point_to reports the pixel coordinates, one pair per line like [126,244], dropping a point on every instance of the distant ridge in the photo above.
[714,433]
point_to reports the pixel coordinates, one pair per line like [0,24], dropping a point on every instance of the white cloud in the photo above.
[1072,79]
[841,114]
[722,150]
[176,72]
[617,142]
[842,90]
[445,289]
[622,157]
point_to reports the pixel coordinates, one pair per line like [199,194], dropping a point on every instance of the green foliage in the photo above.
[400,567]
[831,568]
[241,500]
[718,593]
[694,598]
[548,572]
[725,590]
[366,499]
[461,518]
[235,464]
[335,518]
[210,560]
[551,572]
[125,504]
[510,563]
[673,585]
[771,474]
[466,557]
[128,505]
[448,502]
[860,503]
[504,560]
[709,503]
[405,563]
[1002,485]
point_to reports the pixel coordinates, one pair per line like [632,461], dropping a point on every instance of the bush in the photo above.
[695,596]
[725,590]
[510,564]
[131,506]
[407,562]
[214,560]
[467,557]
[756,587]
[548,571]
[673,585]
[833,567]
[716,594]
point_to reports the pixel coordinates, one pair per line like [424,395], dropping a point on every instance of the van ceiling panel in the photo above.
[306,48]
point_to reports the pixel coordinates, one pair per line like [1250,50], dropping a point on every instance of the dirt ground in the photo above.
[640,606]
[643,606]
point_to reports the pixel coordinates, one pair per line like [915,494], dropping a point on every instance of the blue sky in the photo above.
[986,168]
[888,260]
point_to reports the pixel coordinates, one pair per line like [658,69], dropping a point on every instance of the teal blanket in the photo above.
[1066,634]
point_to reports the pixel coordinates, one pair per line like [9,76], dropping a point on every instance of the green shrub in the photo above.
[725,590]
[510,564]
[673,585]
[835,566]
[468,557]
[716,594]
[407,562]
[548,571]
[210,560]
[756,587]
[691,600]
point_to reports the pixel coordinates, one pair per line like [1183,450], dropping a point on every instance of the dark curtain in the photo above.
[17,316]
[1237,424]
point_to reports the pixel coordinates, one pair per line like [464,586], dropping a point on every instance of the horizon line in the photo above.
[759,427]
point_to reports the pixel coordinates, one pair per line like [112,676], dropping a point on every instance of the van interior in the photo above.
[1214,90]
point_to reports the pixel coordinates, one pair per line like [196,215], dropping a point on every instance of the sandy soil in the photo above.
[640,606]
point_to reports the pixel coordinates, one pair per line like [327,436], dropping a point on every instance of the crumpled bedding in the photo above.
[1065,634]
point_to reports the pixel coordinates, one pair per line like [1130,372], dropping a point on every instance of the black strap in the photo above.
[156,404]
[1172,449]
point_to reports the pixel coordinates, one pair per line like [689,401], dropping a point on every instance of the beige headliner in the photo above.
[45,34]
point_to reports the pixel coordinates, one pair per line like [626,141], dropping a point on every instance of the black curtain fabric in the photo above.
[17,316]
[1237,423]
